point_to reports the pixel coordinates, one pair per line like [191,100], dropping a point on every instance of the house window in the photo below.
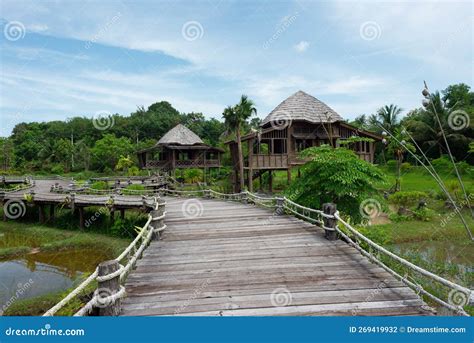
[302,144]
[279,146]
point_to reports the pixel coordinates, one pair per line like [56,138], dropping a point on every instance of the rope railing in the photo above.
[107,300]
[356,240]
[353,237]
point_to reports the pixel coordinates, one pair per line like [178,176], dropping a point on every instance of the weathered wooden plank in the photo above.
[324,309]
[257,301]
[229,260]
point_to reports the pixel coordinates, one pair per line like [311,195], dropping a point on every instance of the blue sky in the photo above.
[71,58]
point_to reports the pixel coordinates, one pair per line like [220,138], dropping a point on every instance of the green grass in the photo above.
[418,179]
[52,239]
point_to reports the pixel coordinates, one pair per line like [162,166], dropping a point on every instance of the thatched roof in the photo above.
[302,106]
[181,135]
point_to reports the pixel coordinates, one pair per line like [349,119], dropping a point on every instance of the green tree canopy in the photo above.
[335,175]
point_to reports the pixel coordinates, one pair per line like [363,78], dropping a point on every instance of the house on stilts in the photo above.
[299,122]
[180,148]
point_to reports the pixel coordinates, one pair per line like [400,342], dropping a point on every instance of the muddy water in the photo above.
[442,253]
[38,273]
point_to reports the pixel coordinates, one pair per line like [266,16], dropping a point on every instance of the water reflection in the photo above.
[41,272]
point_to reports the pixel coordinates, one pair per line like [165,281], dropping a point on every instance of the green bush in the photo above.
[136,187]
[406,199]
[423,214]
[406,166]
[57,169]
[395,217]
[442,164]
[193,175]
[391,164]
[336,175]
[101,185]
[133,171]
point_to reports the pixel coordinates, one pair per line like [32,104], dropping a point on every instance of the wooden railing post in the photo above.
[279,210]
[330,223]
[244,197]
[157,222]
[107,288]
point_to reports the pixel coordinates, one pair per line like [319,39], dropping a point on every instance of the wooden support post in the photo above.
[157,224]
[2,199]
[51,213]
[288,175]
[330,223]
[41,213]
[122,213]
[260,180]
[279,210]
[112,214]
[250,175]
[81,217]
[270,181]
[107,289]
[299,172]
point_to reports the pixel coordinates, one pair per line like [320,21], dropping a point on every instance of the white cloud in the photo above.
[302,46]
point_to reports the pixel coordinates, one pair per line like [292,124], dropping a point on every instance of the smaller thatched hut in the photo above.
[179,148]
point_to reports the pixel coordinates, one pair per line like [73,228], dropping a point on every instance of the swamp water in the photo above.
[37,273]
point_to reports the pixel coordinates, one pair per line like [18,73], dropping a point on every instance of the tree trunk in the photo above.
[241,159]
[399,165]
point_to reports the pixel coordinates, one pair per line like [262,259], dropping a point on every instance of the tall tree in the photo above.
[235,119]
[387,116]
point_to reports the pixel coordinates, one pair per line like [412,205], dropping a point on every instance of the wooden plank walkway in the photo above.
[240,260]
[44,195]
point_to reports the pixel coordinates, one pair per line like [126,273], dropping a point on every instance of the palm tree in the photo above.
[426,129]
[387,116]
[235,117]
[398,151]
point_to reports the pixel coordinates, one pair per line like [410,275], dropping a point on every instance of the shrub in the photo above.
[406,166]
[406,199]
[136,187]
[100,185]
[57,169]
[193,175]
[335,175]
[423,214]
[442,164]
[133,171]
[391,164]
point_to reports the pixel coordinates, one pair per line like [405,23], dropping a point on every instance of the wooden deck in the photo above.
[240,260]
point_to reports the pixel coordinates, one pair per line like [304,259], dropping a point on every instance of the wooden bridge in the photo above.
[245,255]
[225,259]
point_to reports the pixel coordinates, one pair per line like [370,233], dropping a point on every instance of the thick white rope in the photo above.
[406,263]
